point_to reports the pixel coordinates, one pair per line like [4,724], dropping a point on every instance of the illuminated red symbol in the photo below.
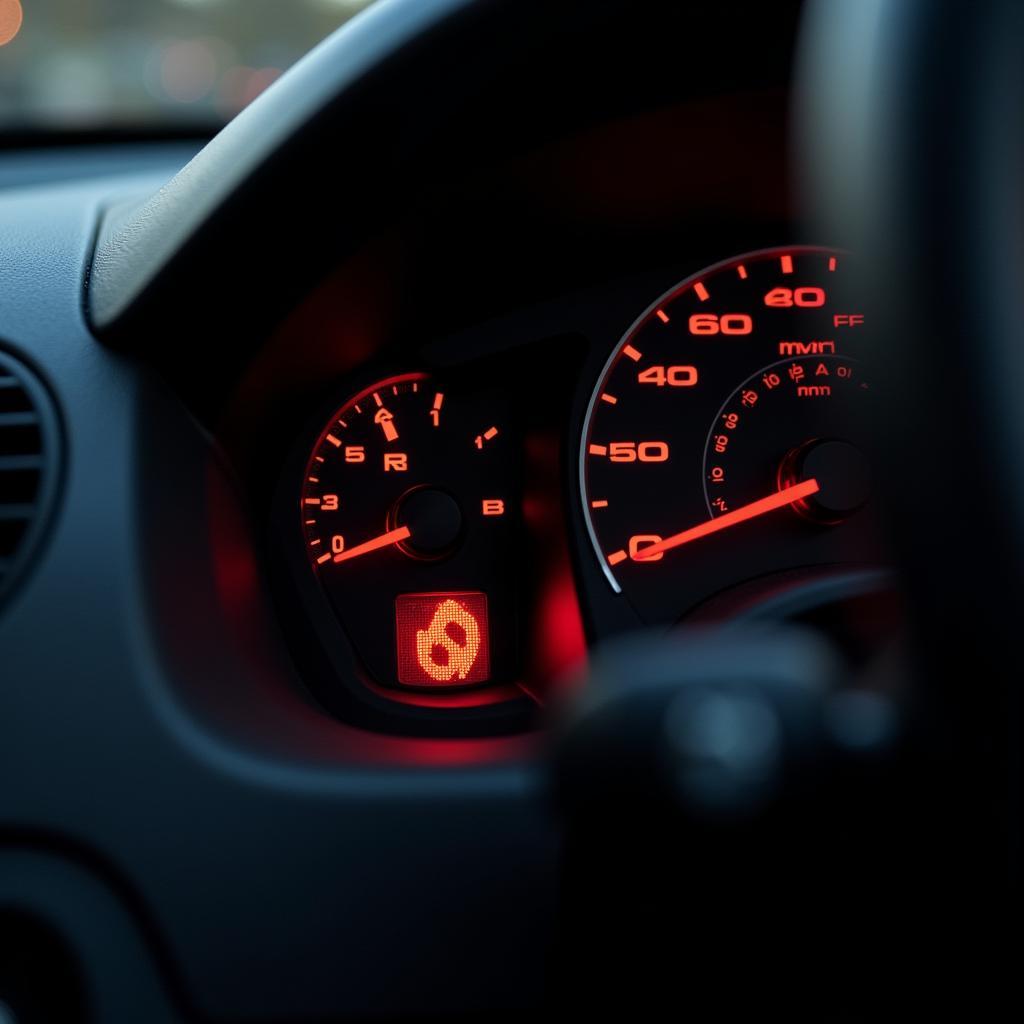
[386,421]
[493,507]
[488,435]
[701,291]
[442,639]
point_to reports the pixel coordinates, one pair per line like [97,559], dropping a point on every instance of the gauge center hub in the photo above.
[434,519]
[843,475]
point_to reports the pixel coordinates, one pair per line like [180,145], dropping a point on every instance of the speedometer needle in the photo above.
[786,496]
[385,539]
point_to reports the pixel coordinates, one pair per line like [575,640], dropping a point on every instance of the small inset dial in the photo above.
[410,514]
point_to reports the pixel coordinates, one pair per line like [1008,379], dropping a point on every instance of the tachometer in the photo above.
[721,442]
[410,512]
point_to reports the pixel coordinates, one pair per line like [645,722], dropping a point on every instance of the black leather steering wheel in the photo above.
[913,129]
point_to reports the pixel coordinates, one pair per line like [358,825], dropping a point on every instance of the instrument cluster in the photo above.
[457,530]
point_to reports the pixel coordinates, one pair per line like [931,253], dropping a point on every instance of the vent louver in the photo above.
[28,466]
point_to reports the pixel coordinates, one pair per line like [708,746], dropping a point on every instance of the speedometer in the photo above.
[721,443]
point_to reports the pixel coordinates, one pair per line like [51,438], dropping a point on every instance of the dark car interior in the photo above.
[524,516]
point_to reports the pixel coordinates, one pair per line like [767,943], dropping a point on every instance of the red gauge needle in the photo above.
[787,496]
[385,539]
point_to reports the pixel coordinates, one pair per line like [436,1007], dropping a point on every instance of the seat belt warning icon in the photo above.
[442,639]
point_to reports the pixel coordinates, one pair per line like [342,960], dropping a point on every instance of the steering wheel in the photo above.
[914,137]
[913,152]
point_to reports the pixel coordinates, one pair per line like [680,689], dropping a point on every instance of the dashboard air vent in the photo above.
[28,466]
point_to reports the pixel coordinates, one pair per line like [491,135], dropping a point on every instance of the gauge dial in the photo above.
[806,408]
[409,512]
[722,441]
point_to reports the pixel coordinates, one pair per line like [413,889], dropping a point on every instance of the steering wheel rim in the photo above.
[914,141]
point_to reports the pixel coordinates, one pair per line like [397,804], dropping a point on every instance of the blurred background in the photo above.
[154,64]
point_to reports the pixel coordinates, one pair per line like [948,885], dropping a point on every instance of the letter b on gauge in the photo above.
[442,639]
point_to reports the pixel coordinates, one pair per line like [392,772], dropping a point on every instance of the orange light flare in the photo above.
[11,17]
[780,499]
[384,540]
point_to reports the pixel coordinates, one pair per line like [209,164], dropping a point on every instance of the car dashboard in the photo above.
[478,423]
[347,501]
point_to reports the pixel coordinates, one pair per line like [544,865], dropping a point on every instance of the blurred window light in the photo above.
[188,70]
[352,6]
[150,64]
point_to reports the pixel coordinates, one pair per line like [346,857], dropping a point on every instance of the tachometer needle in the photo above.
[383,541]
[786,496]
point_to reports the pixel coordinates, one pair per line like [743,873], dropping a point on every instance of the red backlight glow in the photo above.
[442,639]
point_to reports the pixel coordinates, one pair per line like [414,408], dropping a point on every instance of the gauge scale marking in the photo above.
[733,397]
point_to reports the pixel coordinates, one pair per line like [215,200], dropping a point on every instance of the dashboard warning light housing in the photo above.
[442,639]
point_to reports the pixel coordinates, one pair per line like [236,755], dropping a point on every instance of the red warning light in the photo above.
[442,639]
